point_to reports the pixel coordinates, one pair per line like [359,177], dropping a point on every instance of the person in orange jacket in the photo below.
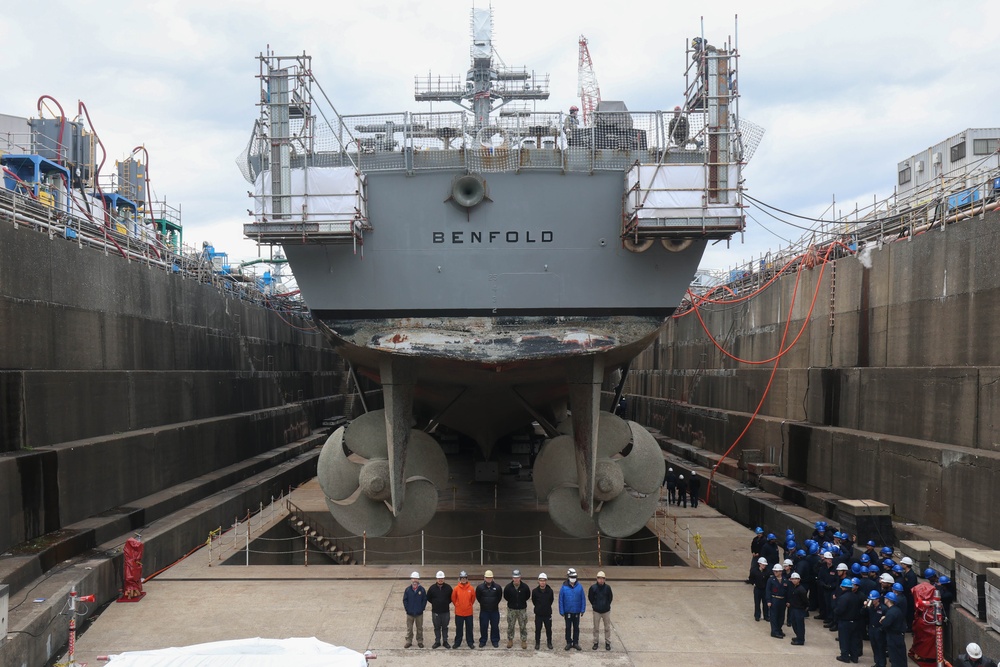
[464,597]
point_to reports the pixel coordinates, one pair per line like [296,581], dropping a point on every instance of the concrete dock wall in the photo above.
[119,380]
[888,388]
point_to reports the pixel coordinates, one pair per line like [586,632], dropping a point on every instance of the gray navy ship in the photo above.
[491,266]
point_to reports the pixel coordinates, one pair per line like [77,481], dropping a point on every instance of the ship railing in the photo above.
[108,236]
[519,139]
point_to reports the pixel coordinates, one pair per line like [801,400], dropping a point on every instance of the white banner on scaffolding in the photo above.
[318,193]
[676,190]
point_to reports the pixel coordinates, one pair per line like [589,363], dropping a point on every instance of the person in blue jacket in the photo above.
[572,605]
[414,602]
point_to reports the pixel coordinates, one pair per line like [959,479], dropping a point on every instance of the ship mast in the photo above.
[487,86]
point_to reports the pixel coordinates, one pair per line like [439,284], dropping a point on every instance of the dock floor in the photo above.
[671,615]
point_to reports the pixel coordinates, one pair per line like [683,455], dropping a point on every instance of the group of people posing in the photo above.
[859,593]
[572,605]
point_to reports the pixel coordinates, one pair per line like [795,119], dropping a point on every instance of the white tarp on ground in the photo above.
[675,190]
[326,192]
[257,652]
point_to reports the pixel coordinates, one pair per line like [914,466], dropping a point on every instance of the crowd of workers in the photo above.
[571,602]
[860,592]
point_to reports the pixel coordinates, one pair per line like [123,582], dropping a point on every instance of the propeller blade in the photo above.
[613,434]
[366,435]
[425,459]
[564,508]
[338,477]
[627,514]
[418,510]
[644,465]
[364,514]
[555,465]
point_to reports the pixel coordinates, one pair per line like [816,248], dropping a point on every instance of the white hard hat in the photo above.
[680,476]
[842,567]
[571,572]
[601,575]
[488,573]
[796,575]
[906,560]
[762,560]
[827,554]
[776,567]
[670,469]
[973,651]
[543,576]
[440,574]
[887,578]
[788,563]
[414,575]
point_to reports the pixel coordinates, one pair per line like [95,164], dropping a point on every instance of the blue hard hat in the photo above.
[855,581]
[888,562]
[758,530]
[846,582]
[892,596]
[944,580]
[790,545]
[897,587]
[897,568]
[929,572]
[871,543]
[813,548]
[873,569]
[886,551]
[819,525]
[835,549]
[856,568]
[800,553]
[789,531]
[865,559]
[873,595]
[771,536]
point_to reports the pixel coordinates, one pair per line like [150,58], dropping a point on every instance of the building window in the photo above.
[904,175]
[958,152]
[985,146]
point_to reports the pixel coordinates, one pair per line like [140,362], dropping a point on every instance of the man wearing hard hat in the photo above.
[414,602]
[439,597]
[489,594]
[600,597]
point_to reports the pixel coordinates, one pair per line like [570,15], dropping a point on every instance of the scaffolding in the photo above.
[298,196]
[694,189]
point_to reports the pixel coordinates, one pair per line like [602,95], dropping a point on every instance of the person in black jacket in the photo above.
[798,603]
[770,549]
[973,657]
[759,578]
[694,488]
[875,610]
[488,595]
[775,593]
[542,598]
[670,479]
[600,597]
[755,546]
[682,490]
[439,598]
[517,594]
[847,613]
[894,626]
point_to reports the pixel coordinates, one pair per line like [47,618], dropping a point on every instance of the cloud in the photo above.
[844,89]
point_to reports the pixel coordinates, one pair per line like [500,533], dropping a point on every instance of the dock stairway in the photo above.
[297,520]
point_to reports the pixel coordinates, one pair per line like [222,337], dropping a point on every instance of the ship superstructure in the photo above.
[491,266]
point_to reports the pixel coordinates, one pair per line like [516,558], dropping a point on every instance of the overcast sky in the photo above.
[843,89]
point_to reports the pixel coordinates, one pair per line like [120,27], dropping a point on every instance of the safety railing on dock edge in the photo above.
[935,206]
[22,211]
[482,546]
